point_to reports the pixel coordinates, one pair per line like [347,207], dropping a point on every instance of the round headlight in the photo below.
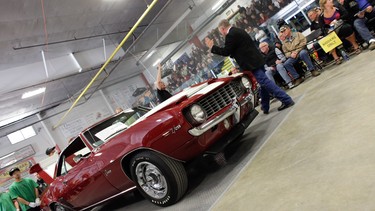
[198,114]
[246,82]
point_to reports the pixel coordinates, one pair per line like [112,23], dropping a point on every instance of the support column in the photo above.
[50,137]
[106,101]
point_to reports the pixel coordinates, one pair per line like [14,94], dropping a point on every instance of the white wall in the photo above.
[40,142]
[120,94]
[81,117]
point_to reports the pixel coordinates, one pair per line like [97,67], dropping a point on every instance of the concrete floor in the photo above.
[323,155]
[317,155]
[208,181]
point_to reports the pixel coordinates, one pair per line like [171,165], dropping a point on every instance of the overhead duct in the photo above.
[167,33]
[107,62]
[225,6]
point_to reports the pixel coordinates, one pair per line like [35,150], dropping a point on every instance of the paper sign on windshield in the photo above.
[104,134]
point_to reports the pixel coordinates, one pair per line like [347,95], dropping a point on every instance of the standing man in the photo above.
[161,91]
[42,185]
[6,202]
[25,191]
[50,151]
[241,47]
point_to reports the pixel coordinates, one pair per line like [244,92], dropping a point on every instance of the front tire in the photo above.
[161,180]
[58,207]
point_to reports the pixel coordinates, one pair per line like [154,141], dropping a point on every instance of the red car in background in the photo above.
[147,149]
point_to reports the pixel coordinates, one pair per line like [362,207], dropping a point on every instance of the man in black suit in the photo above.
[241,47]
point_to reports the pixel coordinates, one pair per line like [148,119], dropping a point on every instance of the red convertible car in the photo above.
[148,149]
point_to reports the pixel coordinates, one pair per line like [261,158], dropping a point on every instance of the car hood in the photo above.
[189,92]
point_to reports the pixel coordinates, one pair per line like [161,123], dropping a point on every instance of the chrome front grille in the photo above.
[221,98]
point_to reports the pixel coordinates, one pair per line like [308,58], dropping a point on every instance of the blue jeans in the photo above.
[268,87]
[362,29]
[304,56]
[282,71]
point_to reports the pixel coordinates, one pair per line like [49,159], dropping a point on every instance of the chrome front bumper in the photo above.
[197,131]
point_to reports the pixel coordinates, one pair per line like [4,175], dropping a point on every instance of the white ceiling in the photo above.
[22,26]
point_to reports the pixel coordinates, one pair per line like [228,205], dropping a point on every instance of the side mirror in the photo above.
[77,158]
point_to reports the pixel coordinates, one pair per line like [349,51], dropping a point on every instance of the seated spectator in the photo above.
[294,45]
[262,18]
[161,91]
[241,10]
[314,18]
[279,47]
[330,17]
[251,32]
[261,36]
[271,10]
[260,5]
[282,3]
[253,20]
[361,11]
[313,15]
[275,63]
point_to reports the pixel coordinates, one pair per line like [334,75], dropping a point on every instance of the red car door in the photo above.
[84,184]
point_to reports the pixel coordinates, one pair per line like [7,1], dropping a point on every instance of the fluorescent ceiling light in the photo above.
[156,62]
[170,30]
[7,156]
[76,62]
[33,93]
[217,5]
[150,54]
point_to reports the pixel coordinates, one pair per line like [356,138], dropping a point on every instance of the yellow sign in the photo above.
[24,167]
[330,42]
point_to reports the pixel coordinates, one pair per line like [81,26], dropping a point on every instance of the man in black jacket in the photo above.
[241,47]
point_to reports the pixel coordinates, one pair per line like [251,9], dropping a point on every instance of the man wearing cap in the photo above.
[6,202]
[274,62]
[50,151]
[24,190]
[241,47]
[294,48]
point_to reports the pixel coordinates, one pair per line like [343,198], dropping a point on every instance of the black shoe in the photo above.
[315,73]
[285,106]
[264,111]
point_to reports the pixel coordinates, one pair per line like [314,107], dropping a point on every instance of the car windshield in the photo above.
[101,133]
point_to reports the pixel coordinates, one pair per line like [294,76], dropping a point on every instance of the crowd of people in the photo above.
[348,18]
[197,65]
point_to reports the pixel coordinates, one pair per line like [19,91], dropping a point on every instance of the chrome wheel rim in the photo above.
[151,180]
[59,208]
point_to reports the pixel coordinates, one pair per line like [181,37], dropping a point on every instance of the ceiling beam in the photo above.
[107,62]
[74,39]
